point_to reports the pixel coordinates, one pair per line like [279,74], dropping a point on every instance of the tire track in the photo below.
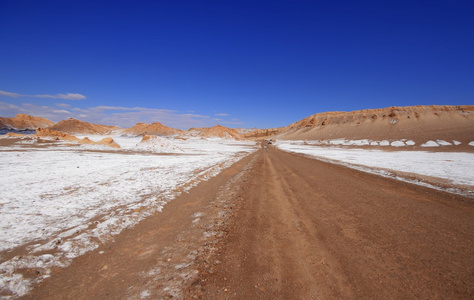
[308,229]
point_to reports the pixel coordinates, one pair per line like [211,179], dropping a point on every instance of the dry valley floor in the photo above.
[277,225]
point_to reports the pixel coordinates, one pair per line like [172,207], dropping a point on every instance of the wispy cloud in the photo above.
[221,115]
[8,94]
[61,111]
[63,105]
[112,115]
[68,96]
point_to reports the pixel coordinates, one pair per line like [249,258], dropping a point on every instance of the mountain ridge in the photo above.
[414,122]
[422,122]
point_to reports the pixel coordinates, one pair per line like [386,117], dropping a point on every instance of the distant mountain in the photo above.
[152,129]
[74,126]
[215,131]
[419,123]
[24,122]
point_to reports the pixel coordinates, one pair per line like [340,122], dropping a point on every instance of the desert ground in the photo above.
[306,229]
[212,214]
[273,224]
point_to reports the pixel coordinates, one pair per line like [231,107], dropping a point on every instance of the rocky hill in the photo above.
[24,122]
[152,129]
[215,131]
[74,126]
[419,123]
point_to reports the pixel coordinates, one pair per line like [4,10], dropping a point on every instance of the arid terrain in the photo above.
[305,229]
[417,123]
[374,204]
[285,226]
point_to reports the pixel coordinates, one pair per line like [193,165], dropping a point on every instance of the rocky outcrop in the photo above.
[24,122]
[262,133]
[390,115]
[215,131]
[411,122]
[108,141]
[74,126]
[424,122]
[59,135]
[55,134]
[155,128]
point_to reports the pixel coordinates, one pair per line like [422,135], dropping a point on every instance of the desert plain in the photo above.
[340,205]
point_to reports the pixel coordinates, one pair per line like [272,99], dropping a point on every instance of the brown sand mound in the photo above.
[216,131]
[59,135]
[24,122]
[108,141]
[419,123]
[152,129]
[74,126]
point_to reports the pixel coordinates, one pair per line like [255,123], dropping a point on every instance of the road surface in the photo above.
[306,229]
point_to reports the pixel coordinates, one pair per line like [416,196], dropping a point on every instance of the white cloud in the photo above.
[195,116]
[119,108]
[79,109]
[221,115]
[61,111]
[8,94]
[62,105]
[68,96]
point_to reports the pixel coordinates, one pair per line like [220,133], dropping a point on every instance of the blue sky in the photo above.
[236,63]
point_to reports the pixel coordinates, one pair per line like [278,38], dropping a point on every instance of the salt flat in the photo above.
[61,200]
[65,199]
[456,168]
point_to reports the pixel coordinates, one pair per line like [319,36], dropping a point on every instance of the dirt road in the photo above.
[281,226]
[306,229]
